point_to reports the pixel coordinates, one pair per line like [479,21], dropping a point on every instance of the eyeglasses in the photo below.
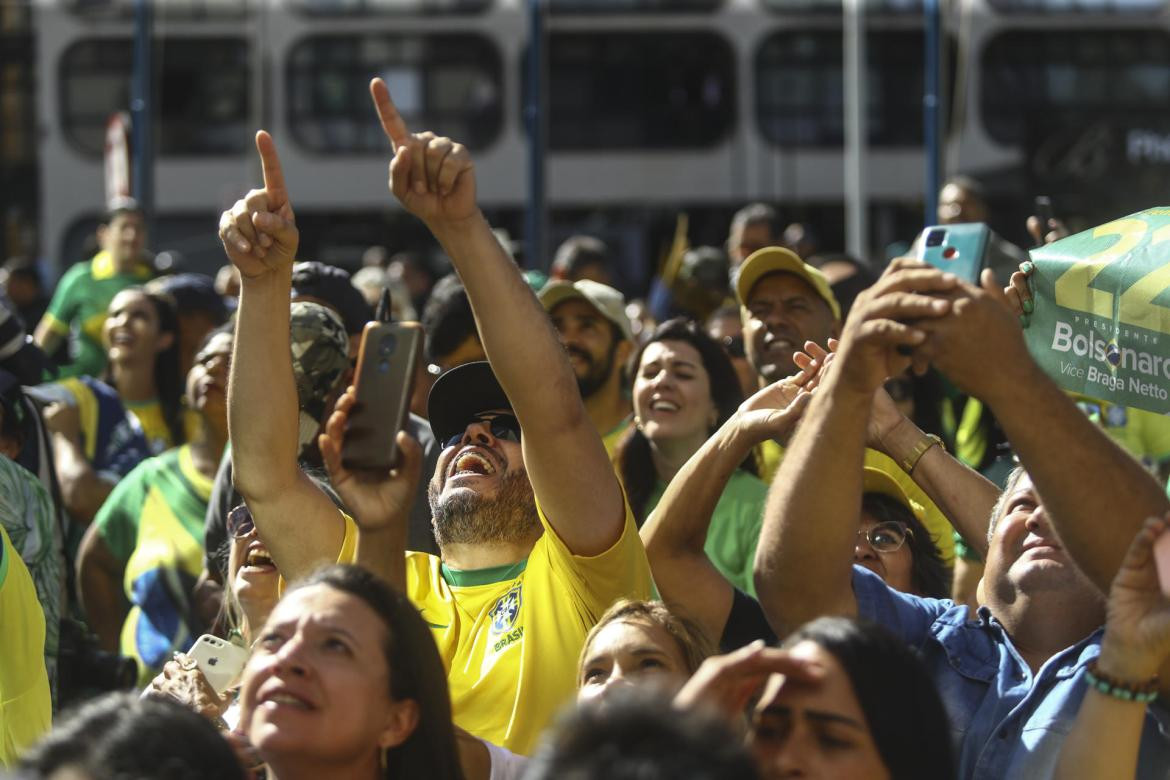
[887,537]
[733,346]
[504,427]
[239,522]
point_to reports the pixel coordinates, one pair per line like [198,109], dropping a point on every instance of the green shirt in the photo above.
[153,522]
[78,310]
[735,527]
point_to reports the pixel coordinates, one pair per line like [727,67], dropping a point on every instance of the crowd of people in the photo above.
[789,518]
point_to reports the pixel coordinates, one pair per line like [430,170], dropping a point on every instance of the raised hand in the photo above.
[886,323]
[726,683]
[774,411]
[377,499]
[1137,626]
[432,176]
[259,233]
[182,680]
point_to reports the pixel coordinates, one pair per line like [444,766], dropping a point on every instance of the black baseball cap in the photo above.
[462,393]
[331,286]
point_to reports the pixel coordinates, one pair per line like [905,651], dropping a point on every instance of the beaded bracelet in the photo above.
[1143,693]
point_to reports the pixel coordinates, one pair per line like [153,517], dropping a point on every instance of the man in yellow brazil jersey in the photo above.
[535,535]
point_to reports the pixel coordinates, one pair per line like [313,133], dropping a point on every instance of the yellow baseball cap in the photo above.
[883,475]
[777,259]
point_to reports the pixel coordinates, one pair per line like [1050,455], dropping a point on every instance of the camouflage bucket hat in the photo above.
[320,355]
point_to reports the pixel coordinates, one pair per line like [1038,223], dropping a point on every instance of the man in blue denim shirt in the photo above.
[1011,676]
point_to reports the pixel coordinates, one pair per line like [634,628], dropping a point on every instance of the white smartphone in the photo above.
[220,661]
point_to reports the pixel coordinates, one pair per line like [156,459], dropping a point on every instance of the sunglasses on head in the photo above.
[504,427]
[239,522]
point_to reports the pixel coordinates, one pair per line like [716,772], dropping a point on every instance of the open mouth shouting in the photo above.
[472,462]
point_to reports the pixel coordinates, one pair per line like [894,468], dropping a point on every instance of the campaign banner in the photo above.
[1101,323]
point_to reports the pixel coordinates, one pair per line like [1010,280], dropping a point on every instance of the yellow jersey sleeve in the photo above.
[25,704]
[622,571]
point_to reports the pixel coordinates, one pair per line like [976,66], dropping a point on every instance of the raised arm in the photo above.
[1082,475]
[810,524]
[434,179]
[676,530]
[296,521]
[380,502]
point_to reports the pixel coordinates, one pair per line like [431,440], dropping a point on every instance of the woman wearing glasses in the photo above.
[891,541]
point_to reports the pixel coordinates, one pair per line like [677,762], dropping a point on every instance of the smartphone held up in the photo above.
[383,381]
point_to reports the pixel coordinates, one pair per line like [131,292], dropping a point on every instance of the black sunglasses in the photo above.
[239,522]
[504,427]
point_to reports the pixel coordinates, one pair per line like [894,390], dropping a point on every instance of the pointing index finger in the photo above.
[392,122]
[273,174]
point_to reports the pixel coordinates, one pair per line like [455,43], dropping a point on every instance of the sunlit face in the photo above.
[207,379]
[956,204]
[1025,555]
[783,311]
[589,339]
[814,730]
[672,394]
[480,490]
[747,238]
[896,567]
[252,575]
[131,331]
[631,652]
[317,686]
[123,237]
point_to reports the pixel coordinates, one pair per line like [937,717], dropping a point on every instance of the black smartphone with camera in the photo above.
[383,381]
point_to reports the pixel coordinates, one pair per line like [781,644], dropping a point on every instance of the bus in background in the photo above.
[652,107]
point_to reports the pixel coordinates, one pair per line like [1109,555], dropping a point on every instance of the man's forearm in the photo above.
[964,495]
[514,328]
[262,407]
[1096,494]
[810,522]
[82,490]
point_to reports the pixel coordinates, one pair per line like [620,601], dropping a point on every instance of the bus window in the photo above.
[632,6]
[1034,84]
[187,10]
[1077,6]
[800,92]
[671,90]
[450,83]
[834,6]
[200,89]
[379,7]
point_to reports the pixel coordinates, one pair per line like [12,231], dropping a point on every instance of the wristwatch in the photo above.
[927,441]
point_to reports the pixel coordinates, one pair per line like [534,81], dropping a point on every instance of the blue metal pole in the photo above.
[930,110]
[535,120]
[141,104]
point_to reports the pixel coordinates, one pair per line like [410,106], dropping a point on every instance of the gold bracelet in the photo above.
[927,441]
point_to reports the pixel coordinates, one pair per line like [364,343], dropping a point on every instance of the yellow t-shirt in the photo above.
[25,705]
[769,454]
[611,439]
[510,636]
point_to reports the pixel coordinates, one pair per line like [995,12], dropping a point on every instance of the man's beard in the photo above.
[469,518]
[597,375]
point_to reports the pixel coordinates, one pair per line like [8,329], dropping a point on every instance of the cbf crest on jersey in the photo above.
[507,607]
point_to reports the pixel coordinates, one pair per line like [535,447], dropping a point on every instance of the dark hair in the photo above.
[119,206]
[576,253]
[902,707]
[638,735]
[416,672]
[120,735]
[169,382]
[447,319]
[632,453]
[928,574]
